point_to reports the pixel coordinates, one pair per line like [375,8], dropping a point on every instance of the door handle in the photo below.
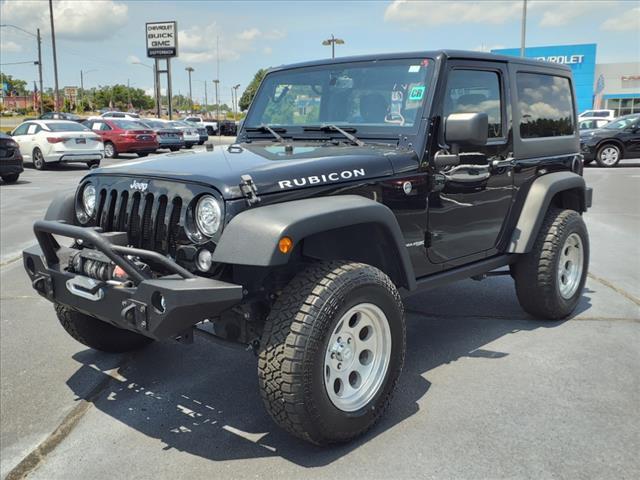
[507,162]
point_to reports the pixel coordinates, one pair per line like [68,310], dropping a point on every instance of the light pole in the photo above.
[82,74]
[216,83]
[190,70]
[156,93]
[523,30]
[333,41]
[55,57]
[235,107]
[39,39]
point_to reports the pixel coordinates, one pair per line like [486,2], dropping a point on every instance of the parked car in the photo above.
[204,135]
[210,125]
[228,127]
[613,142]
[61,116]
[189,132]
[168,137]
[591,123]
[286,245]
[602,113]
[10,159]
[127,115]
[58,141]
[124,136]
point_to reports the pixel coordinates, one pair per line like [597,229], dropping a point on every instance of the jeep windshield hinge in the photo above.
[249,189]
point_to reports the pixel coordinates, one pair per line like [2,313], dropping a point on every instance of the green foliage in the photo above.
[15,85]
[252,88]
[119,95]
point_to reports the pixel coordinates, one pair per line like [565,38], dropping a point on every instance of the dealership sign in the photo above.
[162,39]
[563,59]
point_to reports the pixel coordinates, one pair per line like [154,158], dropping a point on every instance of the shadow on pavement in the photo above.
[204,400]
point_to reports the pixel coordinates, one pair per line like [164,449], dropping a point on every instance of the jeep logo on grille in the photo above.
[142,186]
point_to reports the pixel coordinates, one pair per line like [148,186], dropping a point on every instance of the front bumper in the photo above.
[588,151]
[159,308]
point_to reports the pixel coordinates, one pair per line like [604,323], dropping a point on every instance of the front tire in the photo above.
[332,351]
[609,155]
[550,278]
[97,334]
[110,150]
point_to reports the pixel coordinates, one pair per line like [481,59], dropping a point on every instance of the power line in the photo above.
[32,62]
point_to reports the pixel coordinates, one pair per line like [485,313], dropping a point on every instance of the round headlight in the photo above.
[208,215]
[89,199]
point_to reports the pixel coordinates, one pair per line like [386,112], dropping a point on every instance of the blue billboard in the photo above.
[580,58]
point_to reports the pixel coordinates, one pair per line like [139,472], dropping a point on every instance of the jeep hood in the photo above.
[271,168]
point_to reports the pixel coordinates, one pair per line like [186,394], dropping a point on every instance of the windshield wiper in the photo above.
[273,131]
[330,127]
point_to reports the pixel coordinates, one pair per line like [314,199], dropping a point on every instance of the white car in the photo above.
[602,114]
[125,115]
[591,123]
[58,141]
[210,125]
[189,131]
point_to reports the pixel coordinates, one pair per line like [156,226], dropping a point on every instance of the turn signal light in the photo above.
[285,245]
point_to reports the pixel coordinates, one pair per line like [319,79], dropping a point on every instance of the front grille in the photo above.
[152,221]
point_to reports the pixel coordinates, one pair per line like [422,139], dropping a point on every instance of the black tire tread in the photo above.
[535,272]
[97,334]
[289,330]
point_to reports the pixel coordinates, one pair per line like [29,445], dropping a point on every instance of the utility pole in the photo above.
[523,30]
[333,41]
[235,109]
[55,58]
[216,83]
[40,71]
[190,71]
[128,96]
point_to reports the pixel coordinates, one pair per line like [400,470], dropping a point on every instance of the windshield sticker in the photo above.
[416,93]
[414,68]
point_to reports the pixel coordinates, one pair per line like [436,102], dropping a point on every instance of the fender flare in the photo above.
[252,236]
[62,207]
[539,197]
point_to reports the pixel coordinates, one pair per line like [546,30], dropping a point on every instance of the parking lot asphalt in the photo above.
[487,392]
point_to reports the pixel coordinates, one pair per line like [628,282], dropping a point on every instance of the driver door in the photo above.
[470,201]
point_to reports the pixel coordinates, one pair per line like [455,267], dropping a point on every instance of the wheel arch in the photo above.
[614,141]
[561,189]
[341,227]
[62,207]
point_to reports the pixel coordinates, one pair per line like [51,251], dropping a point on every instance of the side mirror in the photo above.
[466,129]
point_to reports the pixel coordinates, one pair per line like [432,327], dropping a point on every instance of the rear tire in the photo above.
[143,154]
[550,278]
[174,149]
[38,159]
[609,155]
[97,334]
[93,164]
[313,343]
[13,178]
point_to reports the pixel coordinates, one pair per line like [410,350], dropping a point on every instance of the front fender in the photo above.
[62,207]
[251,237]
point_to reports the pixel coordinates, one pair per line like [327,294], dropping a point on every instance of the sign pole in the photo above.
[169,99]
[156,88]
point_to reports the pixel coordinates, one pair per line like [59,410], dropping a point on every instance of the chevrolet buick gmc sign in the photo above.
[162,39]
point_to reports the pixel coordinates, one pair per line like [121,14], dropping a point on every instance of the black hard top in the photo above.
[449,54]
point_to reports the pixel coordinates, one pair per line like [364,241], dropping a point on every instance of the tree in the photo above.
[118,96]
[15,86]
[252,88]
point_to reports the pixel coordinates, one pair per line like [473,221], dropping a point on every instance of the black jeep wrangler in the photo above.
[353,182]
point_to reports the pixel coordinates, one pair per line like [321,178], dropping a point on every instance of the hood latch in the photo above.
[249,189]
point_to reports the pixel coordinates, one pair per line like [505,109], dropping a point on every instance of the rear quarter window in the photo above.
[545,104]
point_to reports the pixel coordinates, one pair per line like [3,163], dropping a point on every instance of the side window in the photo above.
[475,91]
[33,128]
[104,126]
[21,129]
[545,104]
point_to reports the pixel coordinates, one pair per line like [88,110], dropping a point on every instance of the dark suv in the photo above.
[354,182]
[617,140]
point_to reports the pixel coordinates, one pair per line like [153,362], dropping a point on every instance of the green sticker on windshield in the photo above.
[416,93]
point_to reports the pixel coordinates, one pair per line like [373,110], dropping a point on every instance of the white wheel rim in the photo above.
[609,155]
[357,357]
[108,150]
[570,266]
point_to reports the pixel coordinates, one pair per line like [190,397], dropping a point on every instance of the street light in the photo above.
[235,105]
[216,83]
[333,41]
[190,70]
[37,35]
[156,92]
[82,74]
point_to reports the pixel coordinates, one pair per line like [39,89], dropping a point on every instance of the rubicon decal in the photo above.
[322,178]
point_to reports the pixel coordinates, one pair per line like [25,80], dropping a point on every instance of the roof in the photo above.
[449,54]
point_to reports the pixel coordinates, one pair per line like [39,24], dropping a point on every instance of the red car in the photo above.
[124,136]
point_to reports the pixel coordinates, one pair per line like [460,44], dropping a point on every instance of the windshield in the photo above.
[66,127]
[620,123]
[384,96]
[152,123]
[129,124]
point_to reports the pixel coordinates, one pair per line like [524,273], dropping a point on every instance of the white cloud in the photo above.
[76,20]
[250,34]
[559,14]
[267,50]
[133,59]
[274,34]
[10,47]
[630,20]
[441,12]
[487,48]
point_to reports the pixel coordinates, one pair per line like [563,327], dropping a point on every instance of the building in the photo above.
[615,86]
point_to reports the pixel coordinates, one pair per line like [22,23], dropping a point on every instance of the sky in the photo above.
[104,38]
